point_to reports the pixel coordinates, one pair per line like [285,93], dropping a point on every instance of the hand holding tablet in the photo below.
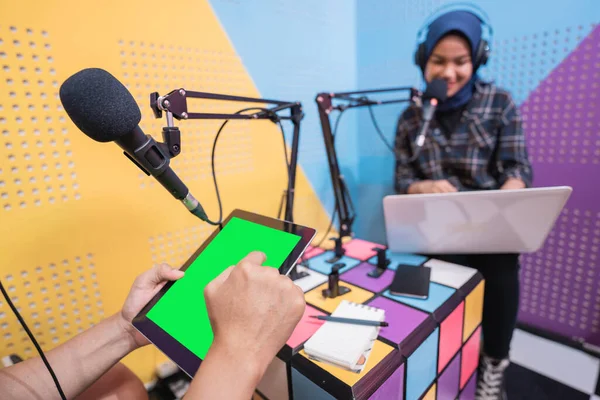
[232,319]
[178,318]
[144,288]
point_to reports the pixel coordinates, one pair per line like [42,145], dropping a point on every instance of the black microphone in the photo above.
[436,91]
[102,108]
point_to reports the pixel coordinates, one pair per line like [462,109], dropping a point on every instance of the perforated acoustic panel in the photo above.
[174,248]
[560,283]
[145,64]
[68,203]
[58,300]
[37,167]
[59,297]
[521,63]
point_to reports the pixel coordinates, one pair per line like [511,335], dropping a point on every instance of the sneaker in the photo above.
[490,379]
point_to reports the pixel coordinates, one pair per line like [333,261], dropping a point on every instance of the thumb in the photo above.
[164,273]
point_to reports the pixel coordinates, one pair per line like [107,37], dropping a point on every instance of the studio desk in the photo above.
[430,350]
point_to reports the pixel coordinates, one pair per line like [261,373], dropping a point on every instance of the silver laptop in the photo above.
[491,221]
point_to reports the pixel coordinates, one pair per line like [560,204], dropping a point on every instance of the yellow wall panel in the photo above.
[78,221]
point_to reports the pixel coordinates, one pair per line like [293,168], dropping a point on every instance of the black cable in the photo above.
[335,126]
[285,155]
[335,209]
[214,146]
[329,228]
[377,129]
[276,119]
[345,193]
[381,136]
[387,144]
[35,343]
[287,164]
[348,197]
[281,202]
[212,165]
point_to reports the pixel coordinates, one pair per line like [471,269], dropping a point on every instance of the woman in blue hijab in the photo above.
[451,50]
[475,142]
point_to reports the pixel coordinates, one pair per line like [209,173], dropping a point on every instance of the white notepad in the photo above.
[342,344]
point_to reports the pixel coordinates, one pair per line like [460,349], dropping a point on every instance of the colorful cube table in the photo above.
[430,350]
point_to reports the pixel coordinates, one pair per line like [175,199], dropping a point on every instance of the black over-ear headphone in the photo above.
[482,53]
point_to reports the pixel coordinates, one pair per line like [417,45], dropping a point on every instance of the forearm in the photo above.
[77,363]
[226,375]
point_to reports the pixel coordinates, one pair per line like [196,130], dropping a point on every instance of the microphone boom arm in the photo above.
[174,104]
[325,105]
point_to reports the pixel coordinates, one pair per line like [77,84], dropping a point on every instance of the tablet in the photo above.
[176,320]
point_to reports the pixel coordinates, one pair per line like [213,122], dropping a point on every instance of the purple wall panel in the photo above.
[561,282]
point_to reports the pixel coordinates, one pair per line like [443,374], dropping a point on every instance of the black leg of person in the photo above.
[382,263]
[339,251]
[333,288]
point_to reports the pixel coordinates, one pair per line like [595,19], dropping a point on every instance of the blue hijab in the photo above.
[469,26]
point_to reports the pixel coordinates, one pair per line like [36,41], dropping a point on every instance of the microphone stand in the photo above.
[174,104]
[326,104]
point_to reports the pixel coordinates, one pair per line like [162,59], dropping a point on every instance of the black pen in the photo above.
[350,320]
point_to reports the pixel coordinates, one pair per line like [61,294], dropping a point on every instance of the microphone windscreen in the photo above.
[99,105]
[436,89]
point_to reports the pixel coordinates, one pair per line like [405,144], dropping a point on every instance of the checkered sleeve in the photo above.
[405,173]
[512,150]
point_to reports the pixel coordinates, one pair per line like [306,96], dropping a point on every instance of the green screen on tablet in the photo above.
[181,311]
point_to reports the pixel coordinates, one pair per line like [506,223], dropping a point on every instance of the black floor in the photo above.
[524,384]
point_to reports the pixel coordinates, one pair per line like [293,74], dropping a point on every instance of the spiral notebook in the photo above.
[346,345]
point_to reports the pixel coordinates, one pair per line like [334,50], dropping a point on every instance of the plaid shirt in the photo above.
[486,148]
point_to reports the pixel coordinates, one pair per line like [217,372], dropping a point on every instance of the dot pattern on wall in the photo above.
[519,64]
[560,279]
[57,300]
[561,120]
[36,160]
[561,282]
[174,248]
[421,9]
[194,69]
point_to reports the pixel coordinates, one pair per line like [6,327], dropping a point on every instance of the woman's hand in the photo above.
[513,183]
[432,186]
